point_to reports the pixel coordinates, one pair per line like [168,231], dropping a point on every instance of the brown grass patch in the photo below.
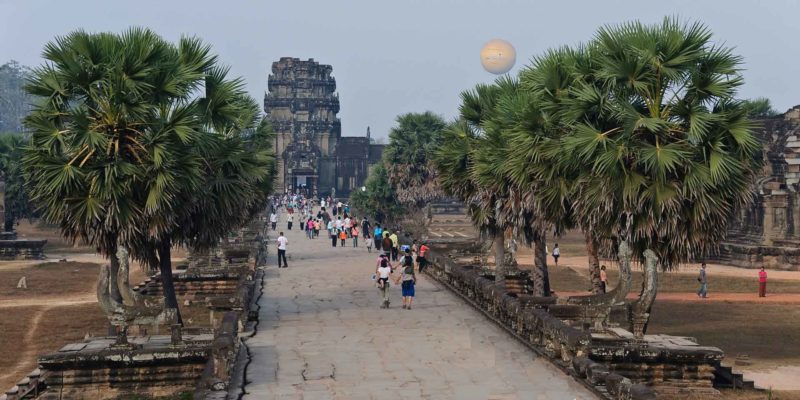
[768,334]
[50,279]
[22,342]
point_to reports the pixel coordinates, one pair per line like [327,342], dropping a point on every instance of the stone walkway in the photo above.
[323,336]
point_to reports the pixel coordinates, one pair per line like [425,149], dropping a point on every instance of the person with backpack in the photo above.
[383,272]
[408,279]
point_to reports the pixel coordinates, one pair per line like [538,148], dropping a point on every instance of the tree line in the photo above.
[636,135]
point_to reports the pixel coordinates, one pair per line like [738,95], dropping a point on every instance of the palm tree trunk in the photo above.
[594,263]
[165,267]
[541,283]
[113,266]
[499,253]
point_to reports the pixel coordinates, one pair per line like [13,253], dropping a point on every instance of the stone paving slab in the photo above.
[323,336]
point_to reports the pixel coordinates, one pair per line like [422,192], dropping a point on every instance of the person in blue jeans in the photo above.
[703,292]
[408,278]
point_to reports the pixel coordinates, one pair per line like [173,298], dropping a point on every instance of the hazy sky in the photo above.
[391,57]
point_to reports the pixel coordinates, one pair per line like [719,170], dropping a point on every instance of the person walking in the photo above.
[310,228]
[395,245]
[762,282]
[387,245]
[703,279]
[355,233]
[368,241]
[603,278]
[342,236]
[346,224]
[290,220]
[273,219]
[316,228]
[282,242]
[384,272]
[332,233]
[556,253]
[378,235]
[365,227]
[408,279]
[421,259]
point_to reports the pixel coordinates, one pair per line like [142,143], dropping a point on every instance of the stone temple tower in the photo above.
[302,104]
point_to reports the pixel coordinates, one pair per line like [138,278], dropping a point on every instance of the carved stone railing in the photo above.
[617,363]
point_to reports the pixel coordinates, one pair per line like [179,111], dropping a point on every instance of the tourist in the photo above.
[408,278]
[282,242]
[290,220]
[762,282]
[395,245]
[365,227]
[368,241]
[273,219]
[603,278]
[332,232]
[355,236]
[378,236]
[384,272]
[339,223]
[387,245]
[342,236]
[316,228]
[556,254]
[310,228]
[422,259]
[702,278]
[346,224]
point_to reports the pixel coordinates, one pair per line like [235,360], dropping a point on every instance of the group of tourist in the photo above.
[385,272]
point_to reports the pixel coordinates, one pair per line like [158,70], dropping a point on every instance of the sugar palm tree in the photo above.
[123,139]
[663,152]
[407,158]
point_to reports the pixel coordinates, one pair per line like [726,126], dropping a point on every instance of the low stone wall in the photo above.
[22,249]
[612,363]
[784,257]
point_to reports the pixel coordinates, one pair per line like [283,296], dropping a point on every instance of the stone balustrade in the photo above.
[613,361]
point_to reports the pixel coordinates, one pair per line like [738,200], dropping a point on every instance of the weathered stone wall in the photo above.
[768,232]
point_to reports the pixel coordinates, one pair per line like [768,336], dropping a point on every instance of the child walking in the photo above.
[342,236]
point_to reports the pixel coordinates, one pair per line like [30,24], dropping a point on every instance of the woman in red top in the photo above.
[762,282]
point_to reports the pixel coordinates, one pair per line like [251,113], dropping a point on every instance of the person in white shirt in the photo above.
[347,226]
[273,219]
[282,242]
[556,253]
[384,272]
[289,221]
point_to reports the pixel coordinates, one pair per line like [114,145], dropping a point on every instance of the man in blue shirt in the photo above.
[378,236]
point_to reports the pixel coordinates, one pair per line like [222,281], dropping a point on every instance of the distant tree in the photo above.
[378,199]
[759,108]
[17,203]
[15,102]
[408,158]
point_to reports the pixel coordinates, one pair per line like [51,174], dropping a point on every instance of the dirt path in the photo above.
[779,298]
[60,301]
[28,352]
[689,269]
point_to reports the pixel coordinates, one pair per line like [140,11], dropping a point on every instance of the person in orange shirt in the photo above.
[342,236]
[762,282]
